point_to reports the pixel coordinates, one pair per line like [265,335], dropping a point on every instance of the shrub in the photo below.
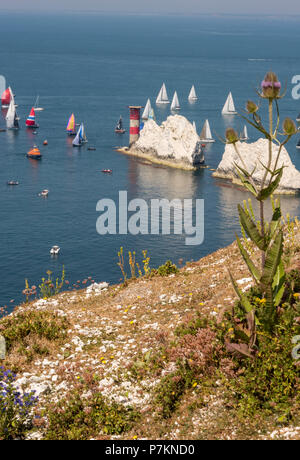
[20,327]
[15,408]
[77,418]
[167,269]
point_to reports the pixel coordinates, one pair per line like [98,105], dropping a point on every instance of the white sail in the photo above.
[229,107]
[244,136]
[206,135]
[193,95]
[194,126]
[78,139]
[175,102]
[147,110]
[162,97]
[11,115]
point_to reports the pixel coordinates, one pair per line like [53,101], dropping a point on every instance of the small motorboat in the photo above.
[107,171]
[45,142]
[298,145]
[44,193]
[92,148]
[12,182]
[34,153]
[2,130]
[55,250]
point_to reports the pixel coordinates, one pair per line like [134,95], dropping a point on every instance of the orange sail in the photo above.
[71,125]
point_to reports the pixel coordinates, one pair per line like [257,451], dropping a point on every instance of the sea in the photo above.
[95,66]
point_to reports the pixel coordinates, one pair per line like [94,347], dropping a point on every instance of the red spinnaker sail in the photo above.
[31,118]
[6,97]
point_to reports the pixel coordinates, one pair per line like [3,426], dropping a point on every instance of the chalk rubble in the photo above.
[254,155]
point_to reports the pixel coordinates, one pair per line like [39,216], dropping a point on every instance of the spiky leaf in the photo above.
[251,229]
[273,258]
[244,301]
[268,191]
[252,268]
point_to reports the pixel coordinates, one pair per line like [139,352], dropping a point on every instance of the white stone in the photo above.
[254,155]
[175,139]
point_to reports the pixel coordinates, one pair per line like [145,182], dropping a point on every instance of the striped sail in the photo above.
[31,118]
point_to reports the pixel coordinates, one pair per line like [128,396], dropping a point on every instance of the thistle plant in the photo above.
[266,236]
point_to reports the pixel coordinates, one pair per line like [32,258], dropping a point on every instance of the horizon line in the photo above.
[153,13]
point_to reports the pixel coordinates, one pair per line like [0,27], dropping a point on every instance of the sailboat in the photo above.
[244,135]
[12,119]
[193,96]
[80,137]
[147,110]
[298,145]
[6,98]
[162,97]
[229,107]
[206,135]
[194,126]
[175,103]
[36,105]
[30,122]
[152,115]
[298,118]
[119,128]
[71,127]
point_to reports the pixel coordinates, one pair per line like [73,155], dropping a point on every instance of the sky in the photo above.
[188,7]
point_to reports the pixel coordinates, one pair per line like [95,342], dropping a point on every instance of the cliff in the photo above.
[143,360]
[255,155]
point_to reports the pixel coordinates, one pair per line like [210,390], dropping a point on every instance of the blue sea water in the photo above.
[95,66]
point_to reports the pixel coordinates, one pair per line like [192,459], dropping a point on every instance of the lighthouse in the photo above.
[135,115]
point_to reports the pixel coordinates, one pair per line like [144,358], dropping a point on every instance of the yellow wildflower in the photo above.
[195,385]
[296,295]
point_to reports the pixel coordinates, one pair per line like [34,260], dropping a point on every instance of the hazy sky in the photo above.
[270,7]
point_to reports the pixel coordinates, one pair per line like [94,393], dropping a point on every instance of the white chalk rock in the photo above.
[175,139]
[254,155]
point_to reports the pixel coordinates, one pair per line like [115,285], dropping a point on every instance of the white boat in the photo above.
[206,135]
[298,145]
[12,119]
[298,118]
[36,105]
[194,126]
[229,107]
[147,111]
[175,103]
[44,193]
[55,250]
[162,97]
[193,96]
[244,136]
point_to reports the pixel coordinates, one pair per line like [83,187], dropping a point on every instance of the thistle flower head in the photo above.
[289,127]
[271,86]
[251,107]
[232,136]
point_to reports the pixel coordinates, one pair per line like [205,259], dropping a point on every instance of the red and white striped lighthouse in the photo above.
[135,116]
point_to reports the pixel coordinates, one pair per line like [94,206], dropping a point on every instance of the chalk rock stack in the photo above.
[176,139]
[254,155]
